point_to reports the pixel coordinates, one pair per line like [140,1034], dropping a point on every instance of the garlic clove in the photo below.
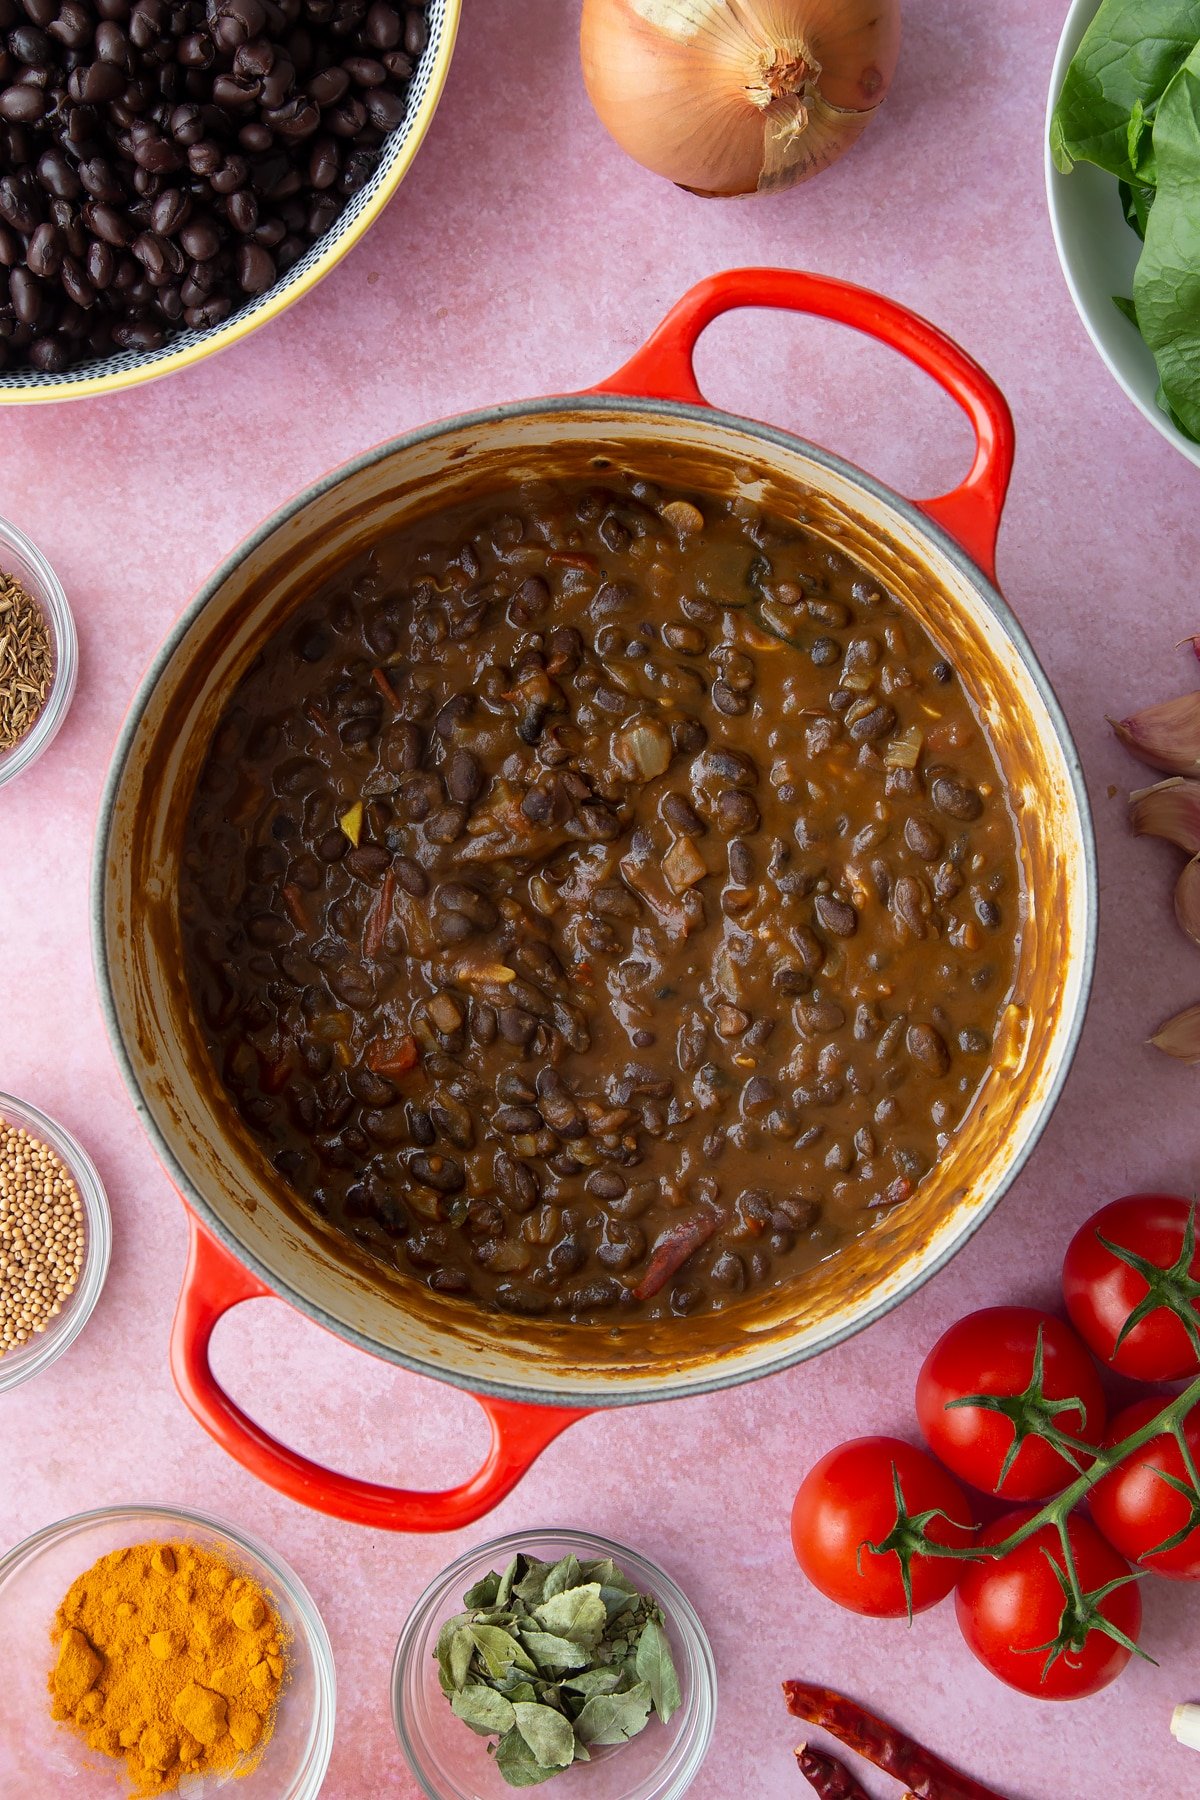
[1180,1036]
[1187,900]
[1185,1725]
[1166,736]
[1169,809]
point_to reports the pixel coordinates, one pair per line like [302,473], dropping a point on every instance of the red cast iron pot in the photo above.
[247,1238]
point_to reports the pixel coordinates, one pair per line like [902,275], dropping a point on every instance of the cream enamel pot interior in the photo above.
[247,1237]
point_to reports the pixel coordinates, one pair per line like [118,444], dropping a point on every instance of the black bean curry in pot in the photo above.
[601,901]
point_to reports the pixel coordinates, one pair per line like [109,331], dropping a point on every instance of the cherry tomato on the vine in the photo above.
[1017,1615]
[848,1500]
[1137,1509]
[1154,1261]
[996,1353]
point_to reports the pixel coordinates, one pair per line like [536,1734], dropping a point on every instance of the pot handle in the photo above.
[663,370]
[213,1282]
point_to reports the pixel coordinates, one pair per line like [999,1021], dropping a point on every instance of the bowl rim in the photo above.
[51,597]
[1079,16]
[675,1601]
[47,1346]
[285,291]
[601,1394]
[320,1744]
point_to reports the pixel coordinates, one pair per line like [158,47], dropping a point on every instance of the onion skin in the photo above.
[728,97]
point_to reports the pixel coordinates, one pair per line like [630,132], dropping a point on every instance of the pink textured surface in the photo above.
[526,255]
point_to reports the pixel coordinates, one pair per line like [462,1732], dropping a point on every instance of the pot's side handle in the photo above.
[663,370]
[213,1282]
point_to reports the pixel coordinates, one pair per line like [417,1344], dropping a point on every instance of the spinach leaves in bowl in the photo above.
[1130,104]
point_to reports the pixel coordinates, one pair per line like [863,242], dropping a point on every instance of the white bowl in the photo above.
[1098,251]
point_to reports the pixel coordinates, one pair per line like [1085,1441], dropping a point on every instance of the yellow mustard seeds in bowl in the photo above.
[55,1240]
[41,1755]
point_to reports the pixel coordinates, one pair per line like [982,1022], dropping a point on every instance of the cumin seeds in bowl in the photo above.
[39,653]
[26,662]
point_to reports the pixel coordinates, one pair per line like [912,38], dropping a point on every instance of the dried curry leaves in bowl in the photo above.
[556,1660]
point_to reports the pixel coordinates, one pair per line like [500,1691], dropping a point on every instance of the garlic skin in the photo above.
[1166,736]
[729,97]
[1187,900]
[1180,1036]
[1170,810]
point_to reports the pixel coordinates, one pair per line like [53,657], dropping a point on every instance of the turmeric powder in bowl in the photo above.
[170,1659]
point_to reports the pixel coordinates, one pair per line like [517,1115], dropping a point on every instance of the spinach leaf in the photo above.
[1136,201]
[1166,283]
[1130,53]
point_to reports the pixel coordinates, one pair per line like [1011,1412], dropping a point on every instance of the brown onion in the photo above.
[738,96]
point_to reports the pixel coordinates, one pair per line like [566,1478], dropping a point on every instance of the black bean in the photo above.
[595,1296]
[44,251]
[874,724]
[741,863]
[728,700]
[688,639]
[837,916]
[819,1015]
[517,1120]
[459,897]
[928,1048]
[446,824]
[463,776]
[954,798]
[923,838]
[444,1173]
[517,1182]
[522,1297]
[737,812]
[728,1272]
[255,269]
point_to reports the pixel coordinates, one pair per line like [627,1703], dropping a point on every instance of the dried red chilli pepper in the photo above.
[293,900]
[828,1778]
[379,677]
[379,917]
[926,1775]
[672,1250]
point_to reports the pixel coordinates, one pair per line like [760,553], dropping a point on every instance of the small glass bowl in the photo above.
[39,1756]
[20,558]
[451,1763]
[20,1364]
